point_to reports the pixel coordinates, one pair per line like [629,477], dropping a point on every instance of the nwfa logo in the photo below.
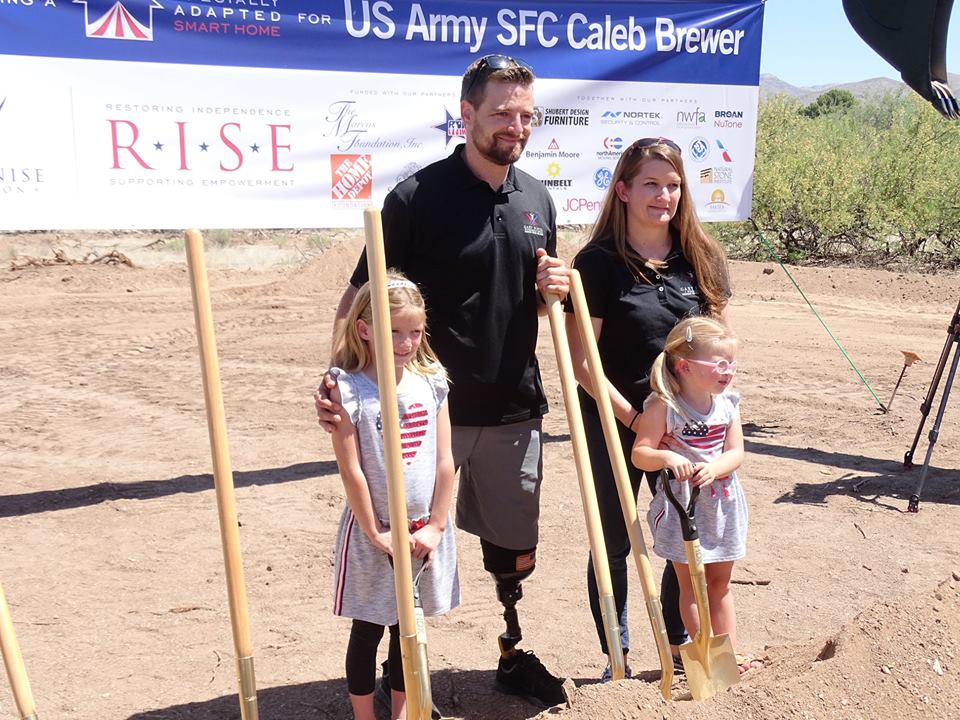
[691,118]
[116,21]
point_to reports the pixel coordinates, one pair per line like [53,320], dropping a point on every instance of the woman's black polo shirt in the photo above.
[637,315]
[471,250]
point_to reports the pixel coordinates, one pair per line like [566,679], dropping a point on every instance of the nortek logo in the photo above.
[629,117]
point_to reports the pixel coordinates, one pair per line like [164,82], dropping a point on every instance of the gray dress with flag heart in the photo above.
[363,577]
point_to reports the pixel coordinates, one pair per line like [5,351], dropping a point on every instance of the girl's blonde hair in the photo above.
[688,338]
[701,250]
[351,352]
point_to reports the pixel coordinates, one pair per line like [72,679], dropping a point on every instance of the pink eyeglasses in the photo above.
[721,367]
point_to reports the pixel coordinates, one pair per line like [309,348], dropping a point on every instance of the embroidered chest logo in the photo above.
[532,224]
[413,426]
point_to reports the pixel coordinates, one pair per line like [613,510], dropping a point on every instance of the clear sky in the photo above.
[810,42]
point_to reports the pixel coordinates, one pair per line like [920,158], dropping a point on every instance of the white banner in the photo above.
[105,143]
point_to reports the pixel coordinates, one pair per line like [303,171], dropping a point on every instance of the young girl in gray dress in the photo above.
[364,588]
[693,403]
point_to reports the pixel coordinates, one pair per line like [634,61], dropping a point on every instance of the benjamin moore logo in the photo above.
[453,127]
[117,21]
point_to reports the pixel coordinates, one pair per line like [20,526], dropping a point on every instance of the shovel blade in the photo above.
[710,666]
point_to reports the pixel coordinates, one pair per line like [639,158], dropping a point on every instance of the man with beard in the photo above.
[478,237]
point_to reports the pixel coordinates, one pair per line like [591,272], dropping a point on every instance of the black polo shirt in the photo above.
[471,250]
[637,315]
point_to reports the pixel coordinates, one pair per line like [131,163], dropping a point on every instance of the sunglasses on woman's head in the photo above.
[650,141]
[491,63]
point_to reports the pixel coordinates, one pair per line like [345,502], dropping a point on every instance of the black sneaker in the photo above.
[523,674]
[382,695]
[678,665]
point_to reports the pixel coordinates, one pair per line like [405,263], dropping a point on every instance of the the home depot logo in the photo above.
[351,177]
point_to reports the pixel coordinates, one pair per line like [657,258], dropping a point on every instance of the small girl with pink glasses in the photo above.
[693,404]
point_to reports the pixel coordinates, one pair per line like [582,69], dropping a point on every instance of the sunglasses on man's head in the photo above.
[491,63]
[650,141]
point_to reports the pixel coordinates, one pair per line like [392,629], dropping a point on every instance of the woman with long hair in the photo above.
[648,264]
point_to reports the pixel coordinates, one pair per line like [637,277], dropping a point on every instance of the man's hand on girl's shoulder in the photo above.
[328,411]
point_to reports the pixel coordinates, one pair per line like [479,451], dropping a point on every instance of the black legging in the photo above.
[362,658]
[618,541]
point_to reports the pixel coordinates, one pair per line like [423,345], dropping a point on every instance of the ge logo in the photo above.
[602,178]
[699,149]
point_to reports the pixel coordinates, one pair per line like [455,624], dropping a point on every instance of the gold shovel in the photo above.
[708,659]
[13,661]
[628,503]
[413,640]
[588,493]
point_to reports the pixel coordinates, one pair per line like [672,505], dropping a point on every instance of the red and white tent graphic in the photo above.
[118,23]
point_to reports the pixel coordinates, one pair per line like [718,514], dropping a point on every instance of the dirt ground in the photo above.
[109,545]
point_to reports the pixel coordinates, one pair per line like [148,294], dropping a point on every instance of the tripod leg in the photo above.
[914,503]
[953,334]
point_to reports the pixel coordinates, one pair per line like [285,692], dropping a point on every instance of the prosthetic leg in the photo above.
[518,672]
[953,339]
[502,564]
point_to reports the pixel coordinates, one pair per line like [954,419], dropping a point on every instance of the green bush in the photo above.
[876,183]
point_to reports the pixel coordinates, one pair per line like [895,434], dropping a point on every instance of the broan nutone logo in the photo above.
[351,177]
[119,21]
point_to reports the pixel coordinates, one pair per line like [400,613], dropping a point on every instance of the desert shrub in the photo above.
[873,184]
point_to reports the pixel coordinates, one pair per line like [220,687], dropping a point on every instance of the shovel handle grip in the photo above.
[688,523]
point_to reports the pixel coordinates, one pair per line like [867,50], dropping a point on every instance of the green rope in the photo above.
[814,311]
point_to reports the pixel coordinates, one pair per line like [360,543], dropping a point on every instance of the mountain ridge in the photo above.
[771,85]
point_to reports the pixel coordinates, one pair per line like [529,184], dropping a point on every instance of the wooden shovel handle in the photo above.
[222,475]
[415,673]
[588,493]
[13,661]
[628,503]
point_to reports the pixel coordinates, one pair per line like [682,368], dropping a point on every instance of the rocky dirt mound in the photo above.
[895,660]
